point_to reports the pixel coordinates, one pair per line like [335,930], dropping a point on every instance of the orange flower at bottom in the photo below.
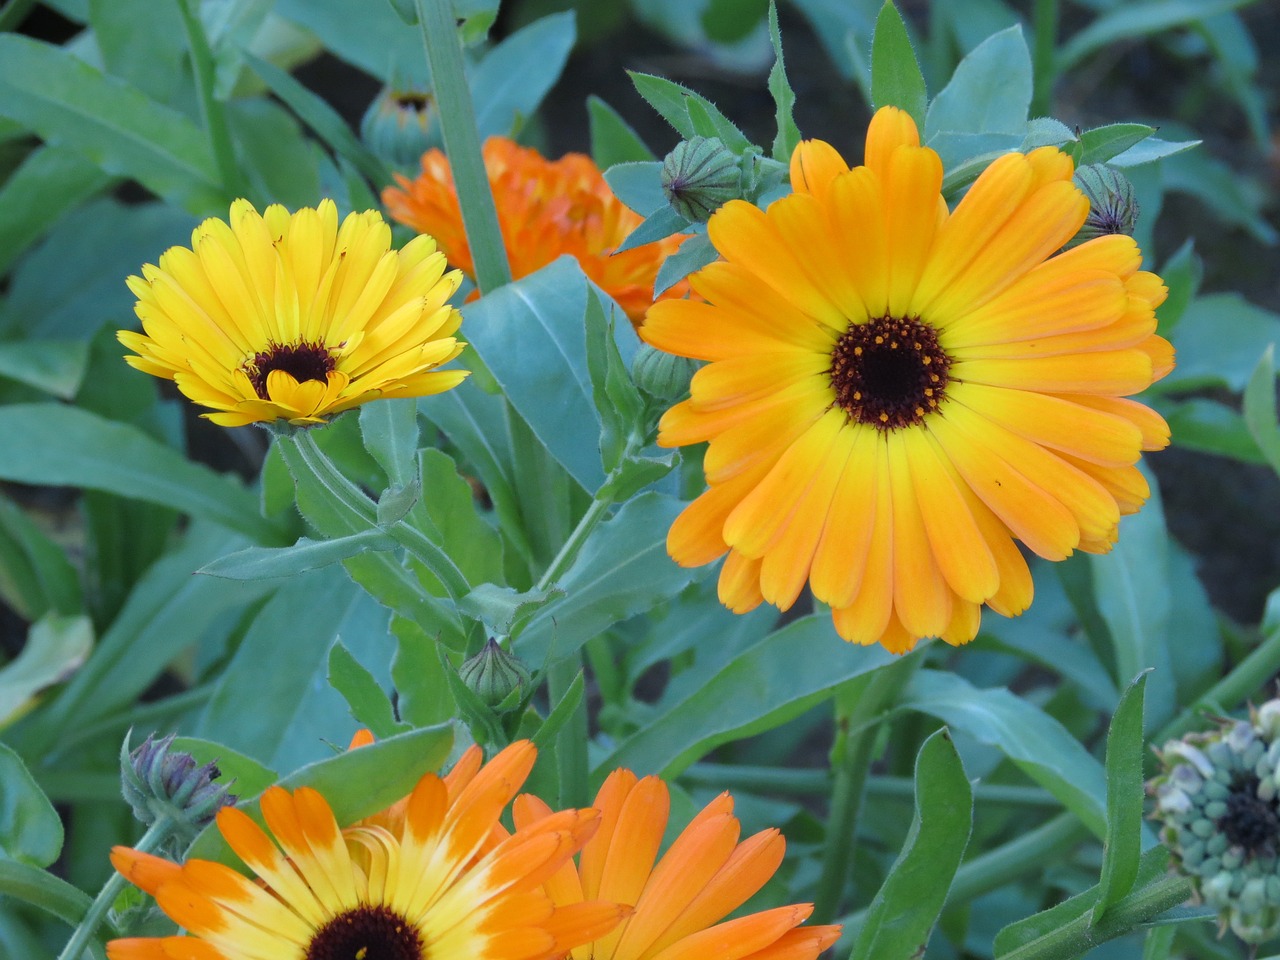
[679,903]
[429,877]
[546,208]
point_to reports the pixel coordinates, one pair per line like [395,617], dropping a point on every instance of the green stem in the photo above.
[211,112]
[156,834]
[462,143]
[563,560]
[1045,23]
[1082,935]
[1247,677]
[13,13]
[363,512]
[860,707]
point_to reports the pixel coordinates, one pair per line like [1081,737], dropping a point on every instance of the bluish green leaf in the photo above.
[504,610]
[1182,274]
[613,140]
[1103,143]
[1151,149]
[690,113]
[694,254]
[56,647]
[617,399]
[1123,846]
[35,575]
[30,829]
[68,447]
[143,43]
[48,183]
[264,563]
[622,570]
[896,79]
[356,784]
[784,98]
[638,185]
[370,706]
[1260,408]
[659,225]
[990,91]
[778,678]
[514,76]
[1234,198]
[1039,745]
[384,46]
[69,103]
[1129,20]
[907,906]
[1219,340]
[1048,132]
[244,776]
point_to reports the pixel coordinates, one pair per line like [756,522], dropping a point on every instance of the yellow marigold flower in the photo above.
[546,208]
[289,316]
[431,877]
[897,393]
[680,902]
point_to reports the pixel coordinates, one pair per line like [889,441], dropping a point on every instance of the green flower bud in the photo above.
[698,176]
[493,674]
[663,376]
[160,782]
[1112,207]
[400,125]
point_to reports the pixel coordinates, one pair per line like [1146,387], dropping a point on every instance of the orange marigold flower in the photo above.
[546,208]
[681,902]
[433,877]
[897,393]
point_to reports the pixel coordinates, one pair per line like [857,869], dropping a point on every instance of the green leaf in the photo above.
[30,829]
[422,689]
[1260,408]
[731,21]
[69,103]
[264,563]
[907,906]
[677,105]
[53,366]
[1208,426]
[56,647]
[617,399]
[694,254]
[389,430]
[504,610]
[1152,149]
[47,184]
[1102,143]
[612,138]
[1182,274]
[896,79]
[1039,745]
[68,447]
[778,678]
[660,224]
[279,163]
[622,570]
[245,776]
[1137,20]
[514,76]
[1123,846]
[382,46]
[356,784]
[1219,340]
[144,44]
[42,889]
[546,380]
[324,121]
[638,185]
[990,91]
[450,506]
[784,98]
[35,575]
[369,703]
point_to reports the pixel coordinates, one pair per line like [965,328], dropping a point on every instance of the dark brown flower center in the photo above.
[302,361]
[1250,822]
[369,932]
[889,372]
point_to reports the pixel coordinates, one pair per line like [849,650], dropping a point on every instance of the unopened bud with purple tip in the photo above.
[159,781]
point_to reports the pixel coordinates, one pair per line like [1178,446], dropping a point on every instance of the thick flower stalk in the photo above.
[681,901]
[433,876]
[1218,798]
[897,395]
[280,316]
[546,209]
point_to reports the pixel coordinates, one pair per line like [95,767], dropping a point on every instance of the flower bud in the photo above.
[493,673]
[663,376]
[698,176]
[160,782]
[1112,207]
[400,125]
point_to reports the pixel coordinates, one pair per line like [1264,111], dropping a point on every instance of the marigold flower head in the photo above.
[432,877]
[681,902]
[291,316]
[898,394]
[546,208]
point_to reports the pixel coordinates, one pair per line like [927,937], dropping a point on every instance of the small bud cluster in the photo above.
[1217,797]
[160,782]
[494,675]
[400,125]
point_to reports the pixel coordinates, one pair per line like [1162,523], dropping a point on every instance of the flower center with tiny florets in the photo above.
[1250,822]
[302,361]
[367,933]
[889,372]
